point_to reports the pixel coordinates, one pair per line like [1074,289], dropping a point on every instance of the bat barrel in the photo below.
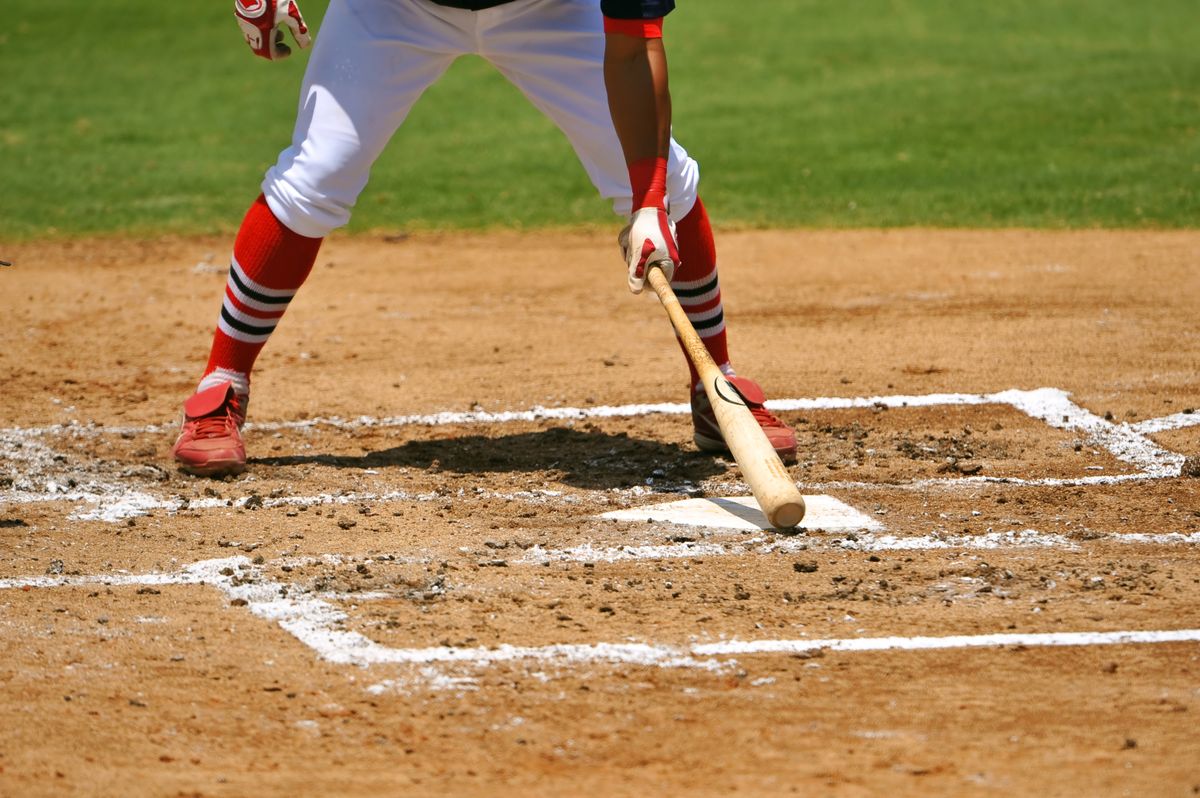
[769,481]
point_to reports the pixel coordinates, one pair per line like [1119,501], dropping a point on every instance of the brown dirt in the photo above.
[450,534]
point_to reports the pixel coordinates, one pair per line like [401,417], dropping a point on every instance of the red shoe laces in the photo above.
[214,426]
[764,417]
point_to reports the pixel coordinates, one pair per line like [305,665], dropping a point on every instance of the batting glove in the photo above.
[261,22]
[648,240]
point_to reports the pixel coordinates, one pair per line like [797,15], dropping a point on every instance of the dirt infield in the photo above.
[447,572]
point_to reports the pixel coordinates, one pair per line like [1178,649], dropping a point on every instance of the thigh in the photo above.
[371,61]
[553,51]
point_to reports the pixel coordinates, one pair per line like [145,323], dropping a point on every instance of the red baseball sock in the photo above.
[698,288]
[270,263]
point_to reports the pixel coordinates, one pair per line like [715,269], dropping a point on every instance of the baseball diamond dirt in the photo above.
[446,571]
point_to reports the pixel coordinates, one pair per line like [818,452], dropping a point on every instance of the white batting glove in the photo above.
[648,239]
[262,24]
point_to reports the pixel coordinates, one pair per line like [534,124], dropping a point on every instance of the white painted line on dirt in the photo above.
[1163,538]
[734,647]
[990,541]
[112,506]
[1015,397]
[318,624]
[862,541]
[857,402]
[1166,423]
[1125,443]
[956,483]
[694,656]
[742,512]
[589,552]
[113,579]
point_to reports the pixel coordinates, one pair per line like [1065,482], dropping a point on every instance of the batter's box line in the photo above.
[1127,443]
[318,625]
[1027,401]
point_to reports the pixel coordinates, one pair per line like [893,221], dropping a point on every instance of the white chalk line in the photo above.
[1032,639]
[120,505]
[1127,443]
[317,624]
[1167,423]
[1016,397]
[857,541]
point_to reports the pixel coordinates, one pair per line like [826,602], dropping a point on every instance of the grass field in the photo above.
[1040,113]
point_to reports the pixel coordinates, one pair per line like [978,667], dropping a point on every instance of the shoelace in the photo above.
[764,417]
[214,426]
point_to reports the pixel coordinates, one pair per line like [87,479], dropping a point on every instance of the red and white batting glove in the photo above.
[262,24]
[648,239]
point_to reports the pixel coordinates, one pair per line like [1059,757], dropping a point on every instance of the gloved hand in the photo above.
[649,238]
[260,21]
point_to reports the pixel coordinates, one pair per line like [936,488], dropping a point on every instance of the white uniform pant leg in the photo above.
[553,51]
[370,63]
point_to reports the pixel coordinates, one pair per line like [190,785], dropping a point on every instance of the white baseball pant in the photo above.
[373,59]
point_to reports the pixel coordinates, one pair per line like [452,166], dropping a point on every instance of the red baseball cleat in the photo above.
[708,435]
[210,442]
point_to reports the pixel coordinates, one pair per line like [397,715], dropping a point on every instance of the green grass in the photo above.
[148,118]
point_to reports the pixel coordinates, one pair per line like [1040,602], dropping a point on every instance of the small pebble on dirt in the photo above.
[805,567]
[346,523]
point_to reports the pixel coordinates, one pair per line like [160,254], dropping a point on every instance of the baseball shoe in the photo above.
[708,435]
[210,441]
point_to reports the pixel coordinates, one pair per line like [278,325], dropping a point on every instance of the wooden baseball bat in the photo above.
[769,481]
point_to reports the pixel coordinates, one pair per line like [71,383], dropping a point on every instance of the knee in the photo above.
[300,206]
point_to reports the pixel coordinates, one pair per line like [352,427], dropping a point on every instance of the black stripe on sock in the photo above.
[713,322]
[243,327]
[684,293]
[256,296]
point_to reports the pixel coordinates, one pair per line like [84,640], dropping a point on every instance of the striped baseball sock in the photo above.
[269,265]
[698,288]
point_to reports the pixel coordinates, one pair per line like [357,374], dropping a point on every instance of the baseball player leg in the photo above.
[553,52]
[370,63]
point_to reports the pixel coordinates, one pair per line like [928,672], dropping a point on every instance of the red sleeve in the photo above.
[638,28]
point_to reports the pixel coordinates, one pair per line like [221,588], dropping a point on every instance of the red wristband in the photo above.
[637,28]
[648,177]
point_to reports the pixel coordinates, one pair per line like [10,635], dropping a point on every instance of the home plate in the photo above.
[823,513]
